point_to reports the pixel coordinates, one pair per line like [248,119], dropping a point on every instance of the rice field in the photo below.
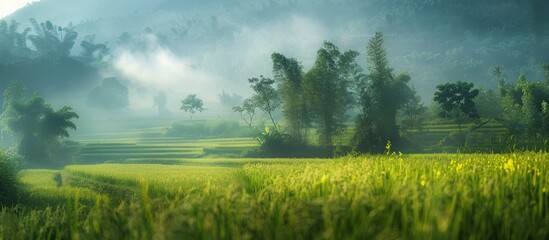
[141,142]
[160,150]
[144,142]
[395,196]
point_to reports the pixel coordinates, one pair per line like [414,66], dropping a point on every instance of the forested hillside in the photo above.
[227,42]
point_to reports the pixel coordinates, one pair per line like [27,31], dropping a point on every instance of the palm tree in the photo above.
[51,40]
[38,125]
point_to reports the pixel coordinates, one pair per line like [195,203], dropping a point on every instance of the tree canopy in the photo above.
[246,110]
[457,100]
[288,72]
[52,41]
[38,126]
[381,95]
[265,96]
[192,104]
[110,95]
[458,97]
[327,90]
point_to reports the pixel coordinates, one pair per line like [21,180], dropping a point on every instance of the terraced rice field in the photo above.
[160,150]
[143,142]
[491,136]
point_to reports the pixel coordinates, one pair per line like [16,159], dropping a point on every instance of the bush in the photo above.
[273,143]
[9,181]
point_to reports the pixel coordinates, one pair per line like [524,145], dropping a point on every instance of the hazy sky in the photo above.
[9,6]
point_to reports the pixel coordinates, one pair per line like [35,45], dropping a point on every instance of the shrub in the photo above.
[9,181]
[272,141]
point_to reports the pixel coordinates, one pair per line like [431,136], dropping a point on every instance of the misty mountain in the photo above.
[189,46]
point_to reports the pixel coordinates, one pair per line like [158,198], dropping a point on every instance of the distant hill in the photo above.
[436,41]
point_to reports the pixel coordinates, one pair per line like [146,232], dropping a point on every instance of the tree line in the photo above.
[317,102]
[321,98]
[386,105]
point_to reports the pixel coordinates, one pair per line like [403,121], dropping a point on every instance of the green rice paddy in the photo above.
[432,196]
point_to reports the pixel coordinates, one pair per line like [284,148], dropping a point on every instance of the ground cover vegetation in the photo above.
[450,196]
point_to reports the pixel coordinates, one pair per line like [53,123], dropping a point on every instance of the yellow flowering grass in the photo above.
[390,196]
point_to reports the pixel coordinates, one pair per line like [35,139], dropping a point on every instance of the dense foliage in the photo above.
[37,125]
[110,95]
[40,57]
[523,106]
[327,85]
[265,96]
[381,96]
[192,104]
[288,72]
[10,186]
[457,101]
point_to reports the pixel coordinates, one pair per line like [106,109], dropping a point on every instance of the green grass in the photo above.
[45,188]
[431,196]
[164,180]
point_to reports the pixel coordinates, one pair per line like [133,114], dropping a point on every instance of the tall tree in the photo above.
[192,104]
[288,72]
[457,101]
[412,114]
[39,127]
[497,73]
[265,97]
[523,110]
[246,110]
[52,41]
[381,96]
[327,90]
